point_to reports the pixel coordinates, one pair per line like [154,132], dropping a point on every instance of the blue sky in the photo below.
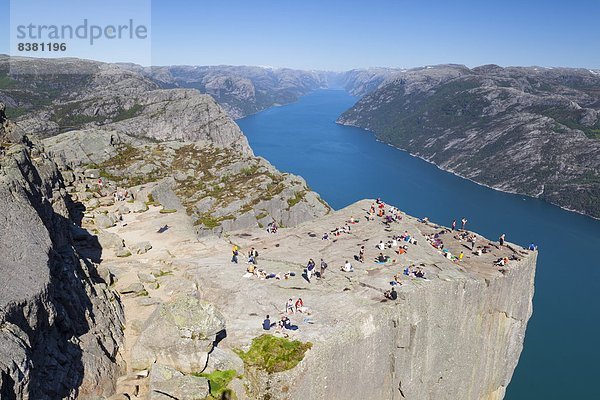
[340,35]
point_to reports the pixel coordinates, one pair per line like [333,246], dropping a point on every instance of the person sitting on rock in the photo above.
[381,258]
[347,267]
[325,236]
[267,323]
[381,245]
[289,306]
[361,254]
[299,305]
[391,294]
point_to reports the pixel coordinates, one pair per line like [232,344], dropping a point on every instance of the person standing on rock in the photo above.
[463,222]
[235,253]
[361,254]
[289,306]
[454,225]
[502,238]
[252,256]
[473,240]
[310,268]
[323,268]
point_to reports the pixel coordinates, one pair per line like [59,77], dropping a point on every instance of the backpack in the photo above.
[255,253]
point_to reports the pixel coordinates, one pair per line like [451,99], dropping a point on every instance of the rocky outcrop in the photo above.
[459,339]
[86,95]
[533,131]
[179,335]
[60,324]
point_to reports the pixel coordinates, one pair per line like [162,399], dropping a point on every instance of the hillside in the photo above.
[532,131]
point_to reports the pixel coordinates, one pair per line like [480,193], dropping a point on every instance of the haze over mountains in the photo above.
[528,130]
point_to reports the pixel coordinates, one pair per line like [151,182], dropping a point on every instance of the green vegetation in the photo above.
[569,118]
[218,382]
[6,82]
[134,111]
[168,211]
[273,354]
[298,196]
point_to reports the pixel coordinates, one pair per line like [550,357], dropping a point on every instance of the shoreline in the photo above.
[469,179]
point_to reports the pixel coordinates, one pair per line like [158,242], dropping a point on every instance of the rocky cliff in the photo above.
[48,97]
[533,131]
[457,333]
[60,324]
[240,90]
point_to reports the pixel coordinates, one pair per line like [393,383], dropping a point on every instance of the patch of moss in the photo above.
[168,211]
[274,354]
[218,382]
[296,199]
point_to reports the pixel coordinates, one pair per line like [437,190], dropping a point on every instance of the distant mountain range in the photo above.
[533,131]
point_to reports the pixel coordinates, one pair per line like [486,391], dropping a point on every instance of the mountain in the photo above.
[240,90]
[48,97]
[533,131]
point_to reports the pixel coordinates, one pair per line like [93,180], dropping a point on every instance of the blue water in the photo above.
[344,164]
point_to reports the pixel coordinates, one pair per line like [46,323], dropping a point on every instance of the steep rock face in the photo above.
[60,325]
[458,339]
[533,131]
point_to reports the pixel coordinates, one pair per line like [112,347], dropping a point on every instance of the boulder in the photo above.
[141,248]
[92,173]
[103,221]
[224,359]
[123,209]
[110,240]
[146,278]
[179,334]
[122,252]
[138,207]
[92,203]
[181,388]
[136,288]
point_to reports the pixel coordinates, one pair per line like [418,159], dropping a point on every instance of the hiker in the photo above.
[289,306]
[454,225]
[391,294]
[460,256]
[473,239]
[310,267]
[235,253]
[267,323]
[347,267]
[299,305]
[501,240]
[323,268]
[463,222]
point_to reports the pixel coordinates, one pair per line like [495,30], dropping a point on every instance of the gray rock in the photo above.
[110,240]
[136,288]
[146,278]
[141,248]
[138,207]
[122,252]
[92,173]
[224,359]
[181,388]
[179,335]
[92,203]
[123,209]
[103,221]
